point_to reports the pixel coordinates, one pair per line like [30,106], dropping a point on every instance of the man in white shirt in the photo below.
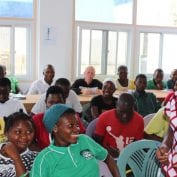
[40,86]
[70,96]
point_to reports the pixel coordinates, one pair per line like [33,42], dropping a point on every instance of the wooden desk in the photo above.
[30,101]
[160,94]
[85,98]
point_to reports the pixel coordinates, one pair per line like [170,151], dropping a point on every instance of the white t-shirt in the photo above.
[11,106]
[71,100]
[38,87]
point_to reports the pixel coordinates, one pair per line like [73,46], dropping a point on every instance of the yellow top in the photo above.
[158,125]
[2,125]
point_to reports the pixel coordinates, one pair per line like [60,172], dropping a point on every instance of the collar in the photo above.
[140,94]
[59,149]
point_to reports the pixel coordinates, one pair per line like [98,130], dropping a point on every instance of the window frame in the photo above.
[30,25]
[134,40]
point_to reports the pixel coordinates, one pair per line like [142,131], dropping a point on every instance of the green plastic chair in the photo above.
[138,159]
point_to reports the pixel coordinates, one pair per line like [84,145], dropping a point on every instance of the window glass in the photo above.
[103,49]
[16,8]
[149,52]
[14,51]
[157,12]
[20,51]
[169,57]
[5,47]
[111,11]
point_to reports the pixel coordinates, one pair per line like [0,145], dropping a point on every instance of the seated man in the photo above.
[145,102]
[157,82]
[69,95]
[123,83]
[88,85]
[40,86]
[118,127]
[157,128]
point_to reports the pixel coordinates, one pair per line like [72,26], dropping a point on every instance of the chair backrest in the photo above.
[147,118]
[139,157]
[91,127]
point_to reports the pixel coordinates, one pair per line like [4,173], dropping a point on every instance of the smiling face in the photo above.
[66,131]
[108,89]
[21,134]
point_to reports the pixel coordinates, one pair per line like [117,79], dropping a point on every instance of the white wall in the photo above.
[58,16]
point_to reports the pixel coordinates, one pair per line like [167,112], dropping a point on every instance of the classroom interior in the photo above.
[140,40]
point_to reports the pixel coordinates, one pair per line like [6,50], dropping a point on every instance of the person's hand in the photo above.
[162,155]
[159,85]
[11,151]
[114,152]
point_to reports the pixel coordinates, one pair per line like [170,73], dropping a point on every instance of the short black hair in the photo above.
[122,67]
[143,76]
[5,82]
[126,99]
[15,117]
[63,82]
[54,90]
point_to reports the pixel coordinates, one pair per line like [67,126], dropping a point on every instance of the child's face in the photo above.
[21,134]
[108,89]
[4,94]
[66,131]
[141,84]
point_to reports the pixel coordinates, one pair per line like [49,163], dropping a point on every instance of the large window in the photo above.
[16,36]
[142,35]
[104,49]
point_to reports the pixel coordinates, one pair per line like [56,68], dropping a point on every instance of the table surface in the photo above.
[32,99]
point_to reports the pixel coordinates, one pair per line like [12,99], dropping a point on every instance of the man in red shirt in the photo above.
[118,127]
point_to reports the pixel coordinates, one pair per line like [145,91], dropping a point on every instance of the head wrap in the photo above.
[53,114]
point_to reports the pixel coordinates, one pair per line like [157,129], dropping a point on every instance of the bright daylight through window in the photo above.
[111,32]
[17,17]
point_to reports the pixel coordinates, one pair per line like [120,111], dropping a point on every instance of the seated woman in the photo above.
[157,82]
[123,83]
[15,157]
[71,153]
